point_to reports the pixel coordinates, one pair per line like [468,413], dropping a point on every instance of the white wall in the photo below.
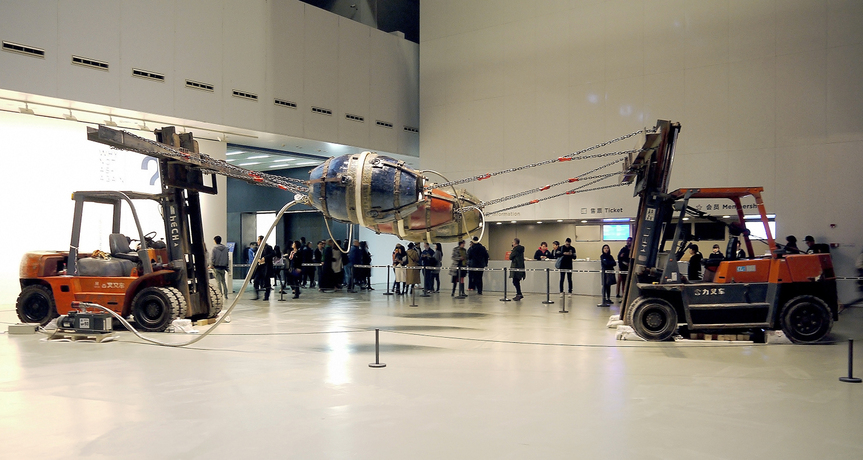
[281,49]
[44,162]
[768,93]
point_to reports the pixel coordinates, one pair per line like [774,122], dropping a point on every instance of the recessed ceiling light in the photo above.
[584,222]
[685,218]
[539,221]
[726,217]
[233,153]
[283,160]
[512,221]
[560,220]
[231,159]
[258,156]
[307,163]
[277,166]
[498,223]
[250,164]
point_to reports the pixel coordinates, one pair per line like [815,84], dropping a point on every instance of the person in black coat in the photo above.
[516,257]
[477,257]
[264,271]
[566,253]
[606,260]
[623,265]
[542,253]
[695,257]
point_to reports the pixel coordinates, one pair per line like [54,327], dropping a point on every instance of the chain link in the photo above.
[570,192]
[212,165]
[569,157]
[582,177]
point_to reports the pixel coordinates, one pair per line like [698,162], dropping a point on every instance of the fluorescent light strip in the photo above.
[250,164]
[255,157]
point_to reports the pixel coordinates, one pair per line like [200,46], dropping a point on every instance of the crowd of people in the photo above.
[328,267]
[331,266]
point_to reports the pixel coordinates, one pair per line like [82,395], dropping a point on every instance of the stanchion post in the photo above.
[413,296]
[377,362]
[461,293]
[850,378]
[548,300]
[563,304]
[388,281]
[504,299]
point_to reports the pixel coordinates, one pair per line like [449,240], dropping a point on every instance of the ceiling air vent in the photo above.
[384,124]
[23,49]
[355,118]
[148,75]
[322,111]
[284,103]
[411,129]
[245,95]
[198,85]
[91,63]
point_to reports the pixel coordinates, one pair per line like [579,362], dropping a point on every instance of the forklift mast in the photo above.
[182,182]
[653,165]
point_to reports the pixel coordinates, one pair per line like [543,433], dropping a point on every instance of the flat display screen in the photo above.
[615,232]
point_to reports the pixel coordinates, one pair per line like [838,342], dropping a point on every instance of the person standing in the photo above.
[459,256]
[477,257]
[428,262]
[219,262]
[265,269]
[438,257]
[412,277]
[295,268]
[516,257]
[623,265]
[567,253]
[606,260]
[367,260]
[318,259]
[695,257]
[355,257]
[308,257]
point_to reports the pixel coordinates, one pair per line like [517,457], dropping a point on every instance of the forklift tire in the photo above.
[155,308]
[806,319]
[216,302]
[652,318]
[36,305]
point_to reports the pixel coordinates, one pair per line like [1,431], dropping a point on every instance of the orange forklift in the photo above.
[155,284]
[792,292]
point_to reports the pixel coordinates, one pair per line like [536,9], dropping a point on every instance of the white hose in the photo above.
[233,303]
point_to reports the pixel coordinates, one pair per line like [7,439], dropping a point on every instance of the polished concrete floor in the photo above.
[474,378]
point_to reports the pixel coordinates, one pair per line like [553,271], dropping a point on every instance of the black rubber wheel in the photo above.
[155,308]
[806,319]
[652,318]
[36,305]
[216,302]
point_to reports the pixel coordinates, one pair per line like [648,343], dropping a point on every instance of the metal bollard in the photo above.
[377,362]
[413,296]
[563,305]
[850,378]
[504,299]
[548,300]
[388,281]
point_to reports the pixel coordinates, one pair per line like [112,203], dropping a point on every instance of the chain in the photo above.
[212,165]
[582,177]
[570,192]
[569,157]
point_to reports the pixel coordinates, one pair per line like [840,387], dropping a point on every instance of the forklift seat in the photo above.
[119,245]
